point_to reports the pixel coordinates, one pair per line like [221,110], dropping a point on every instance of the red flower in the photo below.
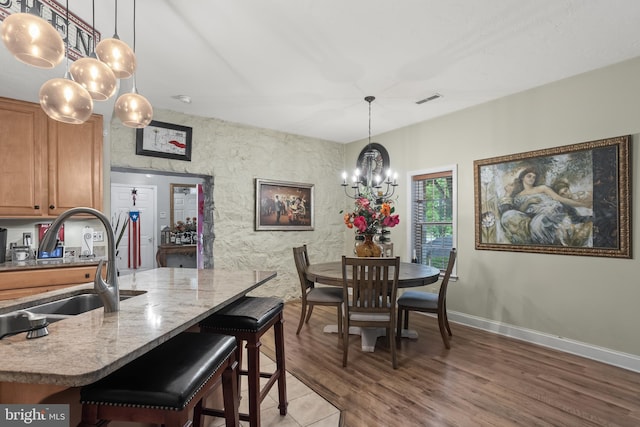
[361,223]
[391,221]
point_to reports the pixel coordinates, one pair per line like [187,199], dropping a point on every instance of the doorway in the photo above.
[126,199]
[162,180]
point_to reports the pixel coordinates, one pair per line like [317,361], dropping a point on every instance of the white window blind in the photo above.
[433,216]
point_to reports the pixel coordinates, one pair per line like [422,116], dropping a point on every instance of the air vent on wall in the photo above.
[430,98]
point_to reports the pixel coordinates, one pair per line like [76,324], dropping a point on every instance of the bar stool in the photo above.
[167,385]
[248,319]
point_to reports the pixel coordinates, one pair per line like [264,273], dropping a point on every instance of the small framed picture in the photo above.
[164,140]
[284,206]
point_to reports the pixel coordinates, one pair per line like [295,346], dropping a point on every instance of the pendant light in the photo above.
[93,74]
[117,54]
[63,99]
[133,109]
[32,40]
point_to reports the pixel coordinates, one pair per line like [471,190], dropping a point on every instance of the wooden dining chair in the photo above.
[374,286]
[312,295]
[428,302]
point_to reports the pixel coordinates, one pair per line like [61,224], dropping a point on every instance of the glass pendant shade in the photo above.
[32,40]
[134,110]
[118,56]
[66,101]
[95,76]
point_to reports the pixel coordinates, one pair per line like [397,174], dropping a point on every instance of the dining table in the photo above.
[410,275]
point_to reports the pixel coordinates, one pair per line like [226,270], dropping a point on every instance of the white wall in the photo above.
[587,299]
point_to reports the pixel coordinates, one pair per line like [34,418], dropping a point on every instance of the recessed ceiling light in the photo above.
[183,98]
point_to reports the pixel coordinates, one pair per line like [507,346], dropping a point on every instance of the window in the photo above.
[433,215]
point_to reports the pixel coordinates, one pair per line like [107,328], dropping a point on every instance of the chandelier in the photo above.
[367,180]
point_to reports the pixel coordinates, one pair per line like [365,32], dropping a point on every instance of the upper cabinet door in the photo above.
[47,167]
[75,165]
[23,166]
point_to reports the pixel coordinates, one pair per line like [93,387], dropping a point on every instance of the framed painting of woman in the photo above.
[570,200]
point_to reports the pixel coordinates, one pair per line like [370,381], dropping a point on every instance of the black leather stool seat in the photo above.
[248,319]
[249,314]
[167,377]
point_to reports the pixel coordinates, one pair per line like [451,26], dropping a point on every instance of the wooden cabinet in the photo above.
[20,283]
[23,167]
[75,165]
[47,167]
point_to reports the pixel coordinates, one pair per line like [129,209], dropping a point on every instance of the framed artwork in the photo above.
[165,140]
[284,206]
[570,200]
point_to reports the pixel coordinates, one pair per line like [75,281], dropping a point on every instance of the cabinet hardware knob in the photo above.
[87,275]
[36,207]
[51,207]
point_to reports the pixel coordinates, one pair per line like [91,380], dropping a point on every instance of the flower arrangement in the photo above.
[371,214]
[182,226]
[179,227]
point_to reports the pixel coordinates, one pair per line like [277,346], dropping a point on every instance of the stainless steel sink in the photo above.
[13,323]
[72,306]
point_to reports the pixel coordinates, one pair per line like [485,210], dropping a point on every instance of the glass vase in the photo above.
[368,248]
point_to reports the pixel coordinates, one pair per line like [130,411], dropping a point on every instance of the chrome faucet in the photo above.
[108,290]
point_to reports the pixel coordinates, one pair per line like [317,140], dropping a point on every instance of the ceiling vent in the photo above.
[430,98]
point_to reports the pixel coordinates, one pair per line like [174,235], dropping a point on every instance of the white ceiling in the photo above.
[305,66]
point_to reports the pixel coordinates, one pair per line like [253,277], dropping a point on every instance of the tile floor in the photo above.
[306,408]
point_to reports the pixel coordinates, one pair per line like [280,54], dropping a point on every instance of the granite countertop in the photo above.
[84,348]
[33,264]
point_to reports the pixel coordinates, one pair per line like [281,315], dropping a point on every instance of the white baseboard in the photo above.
[601,354]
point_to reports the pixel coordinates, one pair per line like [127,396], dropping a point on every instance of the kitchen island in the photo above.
[84,348]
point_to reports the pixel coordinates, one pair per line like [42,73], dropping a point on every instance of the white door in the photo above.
[185,204]
[122,202]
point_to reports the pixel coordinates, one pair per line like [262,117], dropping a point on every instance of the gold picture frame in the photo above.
[283,205]
[568,200]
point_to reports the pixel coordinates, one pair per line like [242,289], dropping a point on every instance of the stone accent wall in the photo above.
[235,155]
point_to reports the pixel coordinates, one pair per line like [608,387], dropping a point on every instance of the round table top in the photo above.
[411,275]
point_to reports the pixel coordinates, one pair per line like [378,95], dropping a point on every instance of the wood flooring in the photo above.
[484,380]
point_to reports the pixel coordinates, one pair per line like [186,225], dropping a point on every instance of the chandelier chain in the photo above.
[134,26]
[66,49]
[93,24]
[116,20]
